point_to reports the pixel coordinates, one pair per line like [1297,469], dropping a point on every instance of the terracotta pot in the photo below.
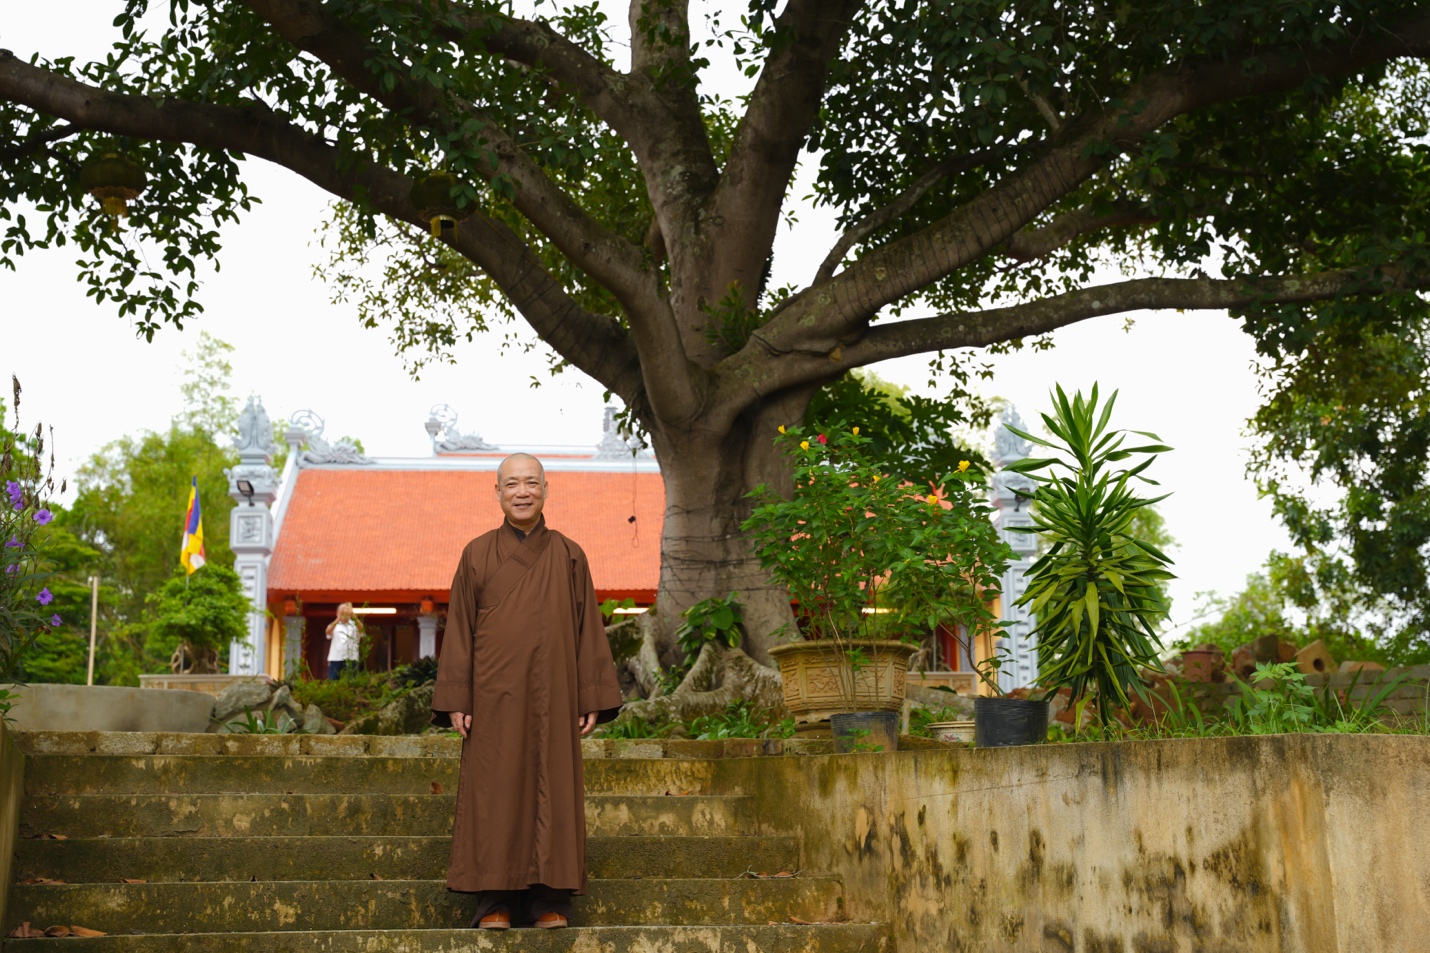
[819,681]
[1199,665]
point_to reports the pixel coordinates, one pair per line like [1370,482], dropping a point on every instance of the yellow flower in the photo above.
[962,465]
[782,428]
[804,444]
[855,431]
[932,499]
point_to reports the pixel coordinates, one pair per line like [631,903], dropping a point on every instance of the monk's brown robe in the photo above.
[525,653]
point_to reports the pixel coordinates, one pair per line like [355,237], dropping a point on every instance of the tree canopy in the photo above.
[985,159]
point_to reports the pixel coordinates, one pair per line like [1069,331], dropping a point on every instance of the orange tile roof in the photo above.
[370,530]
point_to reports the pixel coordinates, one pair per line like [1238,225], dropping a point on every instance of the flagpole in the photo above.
[93,624]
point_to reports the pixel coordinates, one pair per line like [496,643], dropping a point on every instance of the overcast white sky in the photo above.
[1186,376]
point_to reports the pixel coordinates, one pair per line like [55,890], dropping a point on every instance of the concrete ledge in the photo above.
[109,708]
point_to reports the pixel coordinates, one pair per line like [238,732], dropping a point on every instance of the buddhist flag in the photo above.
[192,555]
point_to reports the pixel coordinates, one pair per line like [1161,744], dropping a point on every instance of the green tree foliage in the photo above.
[205,610]
[910,436]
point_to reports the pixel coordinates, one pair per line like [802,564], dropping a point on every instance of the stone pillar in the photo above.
[251,531]
[1019,647]
[427,635]
[292,644]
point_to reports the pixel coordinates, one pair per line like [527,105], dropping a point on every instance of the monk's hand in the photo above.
[462,723]
[587,722]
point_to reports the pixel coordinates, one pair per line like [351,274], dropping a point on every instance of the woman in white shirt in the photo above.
[343,636]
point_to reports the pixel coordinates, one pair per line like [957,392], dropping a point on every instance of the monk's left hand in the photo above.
[587,722]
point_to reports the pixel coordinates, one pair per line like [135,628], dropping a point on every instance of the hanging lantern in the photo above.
[432,197]
[114,180]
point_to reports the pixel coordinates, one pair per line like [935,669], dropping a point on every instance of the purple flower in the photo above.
[43,517]
[14,543]
[45,597]
[17,496]
[55,619]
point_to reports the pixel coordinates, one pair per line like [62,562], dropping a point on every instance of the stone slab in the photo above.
[172,859]
[772,938]
[409,905]
[109,708]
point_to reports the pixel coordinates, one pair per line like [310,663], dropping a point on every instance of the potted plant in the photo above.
[1001,720]
[869,560]
[1095,592]
[198,615]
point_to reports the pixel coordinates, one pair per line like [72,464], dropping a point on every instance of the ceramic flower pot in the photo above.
[1200,665]
[819,680]
[952,732]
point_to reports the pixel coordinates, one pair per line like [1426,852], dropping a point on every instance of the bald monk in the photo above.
[525,673]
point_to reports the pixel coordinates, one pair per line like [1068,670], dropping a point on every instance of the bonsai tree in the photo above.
[1096,593]
[200,614]
[864,554]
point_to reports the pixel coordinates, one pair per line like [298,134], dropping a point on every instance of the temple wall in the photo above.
[1300,843]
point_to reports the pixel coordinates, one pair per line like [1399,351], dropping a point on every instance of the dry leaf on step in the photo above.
[25,932]
[803,923]
[134,880]
[33,881]
[436,787]
[86,931]
[57,931]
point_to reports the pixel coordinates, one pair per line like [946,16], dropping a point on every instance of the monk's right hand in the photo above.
[461,722]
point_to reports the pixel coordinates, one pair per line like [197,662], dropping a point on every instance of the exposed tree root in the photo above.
[719,676]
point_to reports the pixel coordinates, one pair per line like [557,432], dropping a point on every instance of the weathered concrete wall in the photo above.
[1301,844]
[109,708]
[12,788]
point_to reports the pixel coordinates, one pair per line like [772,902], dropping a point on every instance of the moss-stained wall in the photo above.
[12,786]
[1302,844]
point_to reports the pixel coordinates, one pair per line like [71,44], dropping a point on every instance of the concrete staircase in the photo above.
[340,845]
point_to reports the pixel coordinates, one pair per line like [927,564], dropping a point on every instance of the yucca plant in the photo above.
[1094,594]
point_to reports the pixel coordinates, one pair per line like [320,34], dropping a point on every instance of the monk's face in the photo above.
[521,491]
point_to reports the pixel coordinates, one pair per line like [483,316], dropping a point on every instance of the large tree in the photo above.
[983,157]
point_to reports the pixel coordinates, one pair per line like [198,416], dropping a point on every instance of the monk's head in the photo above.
[521,490]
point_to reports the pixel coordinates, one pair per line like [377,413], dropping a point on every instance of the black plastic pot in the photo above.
[1000,722]
[865,731]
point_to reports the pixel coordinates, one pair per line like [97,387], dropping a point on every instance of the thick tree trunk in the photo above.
[708,478]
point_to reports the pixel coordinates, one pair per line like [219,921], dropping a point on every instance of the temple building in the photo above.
[385,533]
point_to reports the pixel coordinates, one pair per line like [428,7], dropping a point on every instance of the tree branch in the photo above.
[609,258]
[38,141]
[982,328]
[747,202]
[906,200]
[1029,244]
[843,306]
[595,344]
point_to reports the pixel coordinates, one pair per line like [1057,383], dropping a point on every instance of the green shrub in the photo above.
[207,610]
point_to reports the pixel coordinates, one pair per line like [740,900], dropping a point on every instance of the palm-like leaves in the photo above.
[1094,594]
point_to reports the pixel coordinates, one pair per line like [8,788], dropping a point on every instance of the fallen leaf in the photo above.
[86,931]
[374,876]
[803,923]
[57,931]
[24,932]
[436,787]
[781,874]
[53,837]
[33,881]
[134,880]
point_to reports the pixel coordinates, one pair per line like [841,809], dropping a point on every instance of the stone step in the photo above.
[292,815]
[405,905]
[771,938]
[171,859]
[232,774]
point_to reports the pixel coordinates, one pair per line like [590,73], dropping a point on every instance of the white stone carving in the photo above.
[251,531]
[426,636]
[613,445]
[441,426]
[320,450]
